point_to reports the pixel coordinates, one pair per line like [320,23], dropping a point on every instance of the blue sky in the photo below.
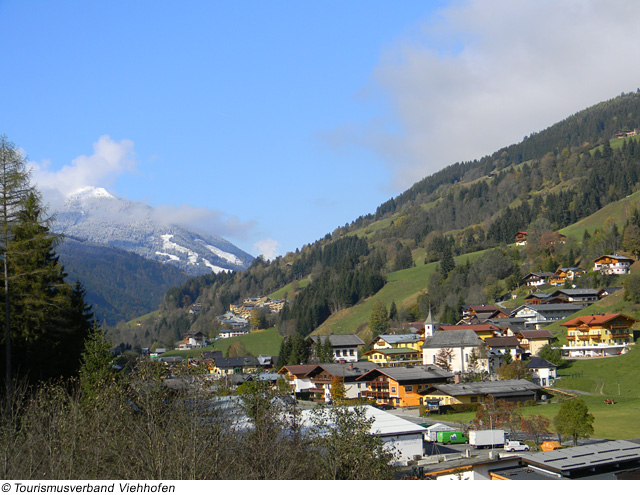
[273,123]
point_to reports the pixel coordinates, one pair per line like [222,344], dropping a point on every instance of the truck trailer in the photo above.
[481,439]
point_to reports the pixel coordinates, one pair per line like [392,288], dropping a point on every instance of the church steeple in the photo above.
[430,325]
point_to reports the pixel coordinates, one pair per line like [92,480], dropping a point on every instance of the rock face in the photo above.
[95,216]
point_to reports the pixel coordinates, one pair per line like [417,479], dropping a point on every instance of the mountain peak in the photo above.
[90,192]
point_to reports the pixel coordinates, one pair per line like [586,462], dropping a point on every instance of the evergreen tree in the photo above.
[379,320]
[447,263]
[46,320]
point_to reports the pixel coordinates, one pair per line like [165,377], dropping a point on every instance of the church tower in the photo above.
[430,325]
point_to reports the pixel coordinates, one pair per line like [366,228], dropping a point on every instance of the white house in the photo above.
[345,347]
[539,315]
[612,264]
[544,372]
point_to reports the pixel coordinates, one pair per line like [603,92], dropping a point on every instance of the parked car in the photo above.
[514,445]
[384,407]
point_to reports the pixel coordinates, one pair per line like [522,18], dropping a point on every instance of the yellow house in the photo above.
[402,386]
[482,330]
[394,357]
[603,334]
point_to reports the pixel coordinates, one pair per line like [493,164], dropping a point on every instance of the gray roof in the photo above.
[452,338]
[399,338]
[347,371]
[410,373]
[589,456]
[339,340]
[499,387]
[544,308]
[537,362]
[234,362]
[577,292]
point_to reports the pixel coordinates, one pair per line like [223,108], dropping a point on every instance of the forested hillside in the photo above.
[548,181]
[120,285]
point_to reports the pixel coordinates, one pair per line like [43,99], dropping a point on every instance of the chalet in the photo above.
[345,347]
[612,264]
[536,279]
[402,386]
[398,341]
[509,327]
[544,372]
[504,345]
[598,335]
[564,275]
[482,312]
[227,333]
[297,375]
[488,391]
[583,297]
[387,357]
[323,376]
[538,315]
[460,345]
[232,320]
[234,365]
[521,238]
[193,340]
[531,341]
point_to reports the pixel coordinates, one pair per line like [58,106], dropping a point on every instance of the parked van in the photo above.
[452,437]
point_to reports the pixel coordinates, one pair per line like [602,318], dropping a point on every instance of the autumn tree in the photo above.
[535,427]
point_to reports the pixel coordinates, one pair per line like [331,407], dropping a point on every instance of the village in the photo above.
[403,378]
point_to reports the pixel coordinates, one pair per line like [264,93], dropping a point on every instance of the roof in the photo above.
[577,292]
[502,341]
[480,327]
[595,319]
[412,373]
[384,423]
[539,275]
[536,334]
[298,369]
[545,308]
[585,457]
[457,338]
[348,371]
[399,338]
[615,257]
[537,362]
[496,388]
[233,362]
[339,340]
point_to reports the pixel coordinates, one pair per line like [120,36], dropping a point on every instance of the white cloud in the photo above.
[110,159]
[268,248]
[482,75]
[204,220]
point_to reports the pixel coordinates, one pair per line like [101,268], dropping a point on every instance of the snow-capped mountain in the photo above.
[93,215]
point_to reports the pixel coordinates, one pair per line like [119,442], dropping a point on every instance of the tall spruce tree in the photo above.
[46,319]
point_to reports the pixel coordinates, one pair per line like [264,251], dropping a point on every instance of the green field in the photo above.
[593,380]
[259,342]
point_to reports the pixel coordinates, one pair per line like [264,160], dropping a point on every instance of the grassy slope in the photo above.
[259,342]
[403,287]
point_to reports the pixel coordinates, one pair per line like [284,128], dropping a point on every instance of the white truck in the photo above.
[481,439]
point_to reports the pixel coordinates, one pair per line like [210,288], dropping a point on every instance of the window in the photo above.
[474,399]
[408,388]
[393,390]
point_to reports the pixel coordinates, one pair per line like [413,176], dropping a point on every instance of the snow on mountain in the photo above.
[93,215]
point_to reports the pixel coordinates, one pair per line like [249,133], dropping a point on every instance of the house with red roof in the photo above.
[598,335]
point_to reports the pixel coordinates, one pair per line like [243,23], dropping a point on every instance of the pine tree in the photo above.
[46,320]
